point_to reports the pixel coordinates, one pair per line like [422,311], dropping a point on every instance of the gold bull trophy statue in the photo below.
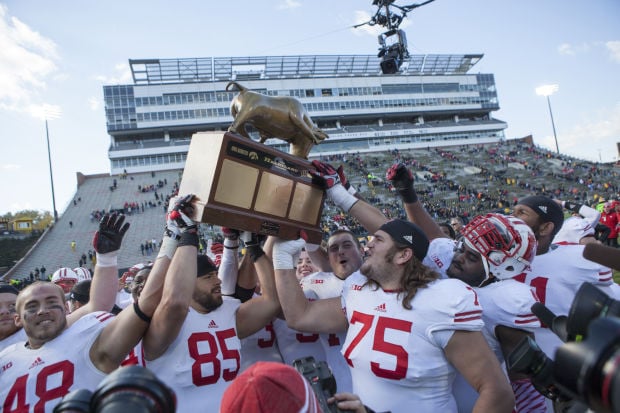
[280,117]
[244,184]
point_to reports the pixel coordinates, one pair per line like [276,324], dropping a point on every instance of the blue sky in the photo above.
[56,55]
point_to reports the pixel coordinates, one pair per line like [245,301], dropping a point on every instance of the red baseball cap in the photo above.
[269,387]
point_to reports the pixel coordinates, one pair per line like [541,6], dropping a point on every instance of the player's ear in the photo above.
[18,320]
[404,255]
[546,228]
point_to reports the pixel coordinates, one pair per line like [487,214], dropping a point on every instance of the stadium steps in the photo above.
[54,249]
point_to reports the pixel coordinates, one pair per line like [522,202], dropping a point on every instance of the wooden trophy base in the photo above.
[245,185]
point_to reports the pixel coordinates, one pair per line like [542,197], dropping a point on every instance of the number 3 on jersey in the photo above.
[379,344]
[215,343]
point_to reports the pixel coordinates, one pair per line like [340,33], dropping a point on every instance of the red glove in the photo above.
[402,180]
[324,175]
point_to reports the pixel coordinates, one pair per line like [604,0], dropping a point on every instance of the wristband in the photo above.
[341,197]
[189,238]
[408,195]
[140,314]
[231,244]
[168,247]
[255,252]
[572,206]
[109,259]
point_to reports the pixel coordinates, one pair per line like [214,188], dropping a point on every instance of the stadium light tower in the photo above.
[548,90]
[49,112]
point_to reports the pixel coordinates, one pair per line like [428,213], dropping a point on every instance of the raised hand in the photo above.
[286,253]
[231,234]
[402,180]
[325,174]
[344,181]
[178,220]
[110,234]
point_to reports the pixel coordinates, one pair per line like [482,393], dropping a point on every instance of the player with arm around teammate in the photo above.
[407,332]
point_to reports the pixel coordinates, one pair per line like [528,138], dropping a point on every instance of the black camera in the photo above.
[586,370]
[590,370]
[321,379]
[392,50]
[127,389]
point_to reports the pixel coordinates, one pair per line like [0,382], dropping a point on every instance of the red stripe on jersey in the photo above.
[604,273]
[104,316]
[534,320]
[462,320]
[468,313]
[607,279]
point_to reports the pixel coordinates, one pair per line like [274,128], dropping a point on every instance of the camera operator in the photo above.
[270,387]
[585,374]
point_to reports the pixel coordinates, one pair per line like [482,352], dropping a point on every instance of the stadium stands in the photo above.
[449,189]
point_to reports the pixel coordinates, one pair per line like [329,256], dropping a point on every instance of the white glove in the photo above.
[286,253]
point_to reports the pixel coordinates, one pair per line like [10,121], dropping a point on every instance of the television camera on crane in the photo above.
[393,42]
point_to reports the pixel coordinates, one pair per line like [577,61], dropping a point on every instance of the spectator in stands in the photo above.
[609,218]
[456,223]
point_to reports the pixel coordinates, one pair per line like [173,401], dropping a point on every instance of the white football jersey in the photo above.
[397,360]
[16,337]
[327,285]
[37,379]
[507,303]
[203,359]
[555,277]
[260,346]
[294,344]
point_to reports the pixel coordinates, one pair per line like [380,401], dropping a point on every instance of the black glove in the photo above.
[402,179]
[110,234]
[572,206]
[253,246]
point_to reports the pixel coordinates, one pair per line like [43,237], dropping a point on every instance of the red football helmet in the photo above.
[507,244]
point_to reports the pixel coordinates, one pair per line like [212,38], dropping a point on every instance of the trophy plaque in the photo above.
[243,184]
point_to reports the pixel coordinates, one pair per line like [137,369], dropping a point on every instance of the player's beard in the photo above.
[381,270]
[207,300]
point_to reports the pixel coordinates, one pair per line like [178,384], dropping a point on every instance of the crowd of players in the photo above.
[419,318]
